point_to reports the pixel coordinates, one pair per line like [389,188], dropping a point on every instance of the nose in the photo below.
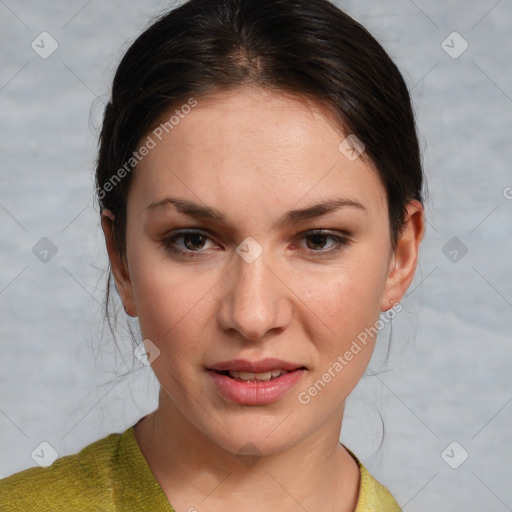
[255,300]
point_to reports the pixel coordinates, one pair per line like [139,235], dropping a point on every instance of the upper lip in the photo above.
[263,365]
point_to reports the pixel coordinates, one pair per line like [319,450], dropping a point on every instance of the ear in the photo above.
[118,265]
[405,256]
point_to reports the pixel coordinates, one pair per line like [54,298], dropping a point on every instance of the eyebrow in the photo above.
[291,217]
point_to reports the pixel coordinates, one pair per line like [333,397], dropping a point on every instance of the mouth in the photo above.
[257,377]
[255,382]
[260,371]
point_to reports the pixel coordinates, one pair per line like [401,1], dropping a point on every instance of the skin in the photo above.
[254,155]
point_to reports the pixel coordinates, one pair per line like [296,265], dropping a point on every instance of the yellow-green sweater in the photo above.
[112,475]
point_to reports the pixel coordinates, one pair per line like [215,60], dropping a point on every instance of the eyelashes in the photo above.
[193,237]
[190,243]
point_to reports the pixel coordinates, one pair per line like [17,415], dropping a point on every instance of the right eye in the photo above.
[188,243]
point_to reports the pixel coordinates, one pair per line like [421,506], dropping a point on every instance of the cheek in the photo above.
[175,308]
[168,312]
[174,304]
[350,311]
[348,298]
[342,310]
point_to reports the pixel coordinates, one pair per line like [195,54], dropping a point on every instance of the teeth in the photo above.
[262,376]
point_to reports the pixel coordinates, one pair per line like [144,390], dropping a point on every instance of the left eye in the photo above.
[317,240]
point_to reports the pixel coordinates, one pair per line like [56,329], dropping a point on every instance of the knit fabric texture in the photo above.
[112,475]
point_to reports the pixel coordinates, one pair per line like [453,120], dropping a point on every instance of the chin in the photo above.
[255,434]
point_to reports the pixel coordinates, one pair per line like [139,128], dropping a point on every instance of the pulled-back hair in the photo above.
[306,47]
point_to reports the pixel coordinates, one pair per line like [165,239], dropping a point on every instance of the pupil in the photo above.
[194,239]
[318,240]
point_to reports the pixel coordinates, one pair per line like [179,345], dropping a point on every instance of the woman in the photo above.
[259,183]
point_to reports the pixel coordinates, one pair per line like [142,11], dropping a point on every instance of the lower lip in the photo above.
[255,393]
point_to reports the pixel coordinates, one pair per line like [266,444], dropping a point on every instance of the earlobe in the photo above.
[118,265]
[405,257]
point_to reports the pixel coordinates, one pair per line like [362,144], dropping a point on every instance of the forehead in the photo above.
[254,146]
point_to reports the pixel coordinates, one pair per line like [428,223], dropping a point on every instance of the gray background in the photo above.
[448,378]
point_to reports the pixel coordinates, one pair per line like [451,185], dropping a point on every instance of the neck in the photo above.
[195,473]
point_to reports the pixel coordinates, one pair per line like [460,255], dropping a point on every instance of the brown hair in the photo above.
[306,47]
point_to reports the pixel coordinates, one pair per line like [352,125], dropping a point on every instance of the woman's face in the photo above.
[252,286]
